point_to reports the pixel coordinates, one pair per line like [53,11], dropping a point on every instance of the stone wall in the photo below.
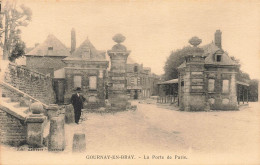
[30,82]
[217,99]
[45,64]
[12,129]
[95,97]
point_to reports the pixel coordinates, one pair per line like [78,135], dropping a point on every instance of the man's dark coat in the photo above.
[77,102]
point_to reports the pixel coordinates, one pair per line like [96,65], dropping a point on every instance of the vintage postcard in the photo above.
[129,82]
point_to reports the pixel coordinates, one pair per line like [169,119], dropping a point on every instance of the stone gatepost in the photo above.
[57,134]
[35,125]
[69,114]
[117,95]
[52,110]
[194,96]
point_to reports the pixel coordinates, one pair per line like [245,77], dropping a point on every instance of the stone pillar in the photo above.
[79,143]
[118,86]
[194,97]
[35,125]
[233,91]
[69,114]
[52,110]
[57,134]
[186,93]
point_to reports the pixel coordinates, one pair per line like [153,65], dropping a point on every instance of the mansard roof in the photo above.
[225,59]
[210,51]
[95,54]
[57,48]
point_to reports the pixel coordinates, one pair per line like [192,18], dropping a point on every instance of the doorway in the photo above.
[136,95]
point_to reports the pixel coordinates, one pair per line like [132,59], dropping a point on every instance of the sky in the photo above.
[152,28]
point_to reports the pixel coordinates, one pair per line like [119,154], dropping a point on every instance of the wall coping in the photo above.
[25,68]
[10,110]
[10,87]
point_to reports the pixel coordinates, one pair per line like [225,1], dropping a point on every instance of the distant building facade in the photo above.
[141,83]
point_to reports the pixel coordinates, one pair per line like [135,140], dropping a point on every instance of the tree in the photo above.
[12,18]
[175,59]
[253,90]
[241,76]
[17,51]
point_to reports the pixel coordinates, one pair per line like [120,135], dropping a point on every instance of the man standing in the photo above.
[77,101]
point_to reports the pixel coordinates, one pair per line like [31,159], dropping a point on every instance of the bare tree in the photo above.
[11,19]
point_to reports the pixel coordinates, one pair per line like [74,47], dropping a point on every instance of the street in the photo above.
[158,132]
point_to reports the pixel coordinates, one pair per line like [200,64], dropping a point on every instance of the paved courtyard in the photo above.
[224,136]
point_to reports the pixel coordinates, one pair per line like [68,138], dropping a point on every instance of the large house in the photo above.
[86,68]
[207,78]
[47,56]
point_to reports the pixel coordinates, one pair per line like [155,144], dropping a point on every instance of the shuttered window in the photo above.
[93,82]
[211,85]
[225,86]
[77,81]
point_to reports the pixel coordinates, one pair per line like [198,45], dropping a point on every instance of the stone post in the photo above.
[117,90]
[52,110]
[233,91]
[57,134]
[69,114]
[79,143]
[35,125]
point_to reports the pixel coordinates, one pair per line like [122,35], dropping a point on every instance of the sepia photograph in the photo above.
[129,82]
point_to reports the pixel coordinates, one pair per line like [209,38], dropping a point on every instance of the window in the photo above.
[136,69]
[225,86]
[211,85]
[77,81]
[50,48]
[86,54]
[92,82]
[218,58]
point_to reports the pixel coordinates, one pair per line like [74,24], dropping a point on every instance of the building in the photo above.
[141,83]
[86,68]
[47,56]
[207,78]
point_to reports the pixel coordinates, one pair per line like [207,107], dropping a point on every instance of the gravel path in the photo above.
[153,130]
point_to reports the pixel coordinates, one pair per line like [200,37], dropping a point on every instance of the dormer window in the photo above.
[50,48]
[86,54]
[218,58]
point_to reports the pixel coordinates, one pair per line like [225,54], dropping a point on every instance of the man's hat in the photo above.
[77,89]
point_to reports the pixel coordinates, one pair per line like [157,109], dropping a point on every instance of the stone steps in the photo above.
[16,106]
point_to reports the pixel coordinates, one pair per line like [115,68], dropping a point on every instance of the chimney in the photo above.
[218,39]
[73,40]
